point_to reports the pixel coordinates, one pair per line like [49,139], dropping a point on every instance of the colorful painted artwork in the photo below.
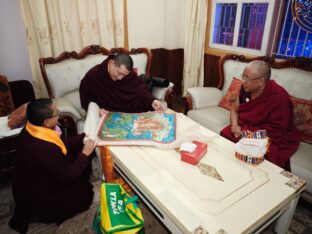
[148,126]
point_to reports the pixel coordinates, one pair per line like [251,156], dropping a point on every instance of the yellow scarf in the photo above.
[46,134]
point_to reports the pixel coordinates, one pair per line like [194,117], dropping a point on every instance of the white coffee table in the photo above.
[220,195]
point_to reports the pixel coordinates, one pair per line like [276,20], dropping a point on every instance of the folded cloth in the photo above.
[152,81]
[160,82]
[252,147]
[148,81]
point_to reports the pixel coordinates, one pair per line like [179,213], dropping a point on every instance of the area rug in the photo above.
[82,223]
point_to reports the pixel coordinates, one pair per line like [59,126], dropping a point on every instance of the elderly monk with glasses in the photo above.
[51,182]
[263,104]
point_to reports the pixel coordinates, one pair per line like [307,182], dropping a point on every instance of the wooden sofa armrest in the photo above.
[188,103]
[170,96]
[67,124]
[175,102]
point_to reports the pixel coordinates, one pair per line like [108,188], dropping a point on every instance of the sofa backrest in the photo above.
[62,74]
[295,74]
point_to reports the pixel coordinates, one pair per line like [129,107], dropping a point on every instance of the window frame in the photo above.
[268,28]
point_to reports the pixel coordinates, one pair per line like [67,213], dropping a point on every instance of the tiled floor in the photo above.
[82,223]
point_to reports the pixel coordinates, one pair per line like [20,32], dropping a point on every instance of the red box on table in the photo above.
[194,157]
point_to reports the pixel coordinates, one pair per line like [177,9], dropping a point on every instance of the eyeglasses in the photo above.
[58,113]
[247,80]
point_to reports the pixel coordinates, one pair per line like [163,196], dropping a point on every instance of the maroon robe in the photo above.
[129,94]
[272,111]
[48,185]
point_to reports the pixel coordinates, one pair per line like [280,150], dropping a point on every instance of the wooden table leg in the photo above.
[108,170]
[107,164]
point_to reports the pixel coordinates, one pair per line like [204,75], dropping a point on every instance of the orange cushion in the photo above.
[231,94]
[18,117]
[6,100]
[303,118]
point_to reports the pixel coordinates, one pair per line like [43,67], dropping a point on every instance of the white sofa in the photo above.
[295,75]
[62,76]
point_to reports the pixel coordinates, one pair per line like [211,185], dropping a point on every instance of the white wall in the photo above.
[14,57]
[145,23]
[156,23]
[174,23]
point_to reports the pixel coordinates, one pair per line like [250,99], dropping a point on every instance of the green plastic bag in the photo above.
[118,212]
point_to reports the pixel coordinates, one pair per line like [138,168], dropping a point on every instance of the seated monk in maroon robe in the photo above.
[263,104]
[51,181]
[114,86]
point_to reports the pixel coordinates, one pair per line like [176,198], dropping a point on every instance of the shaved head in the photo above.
[261,67]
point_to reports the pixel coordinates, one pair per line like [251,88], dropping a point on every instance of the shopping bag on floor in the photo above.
[118,212]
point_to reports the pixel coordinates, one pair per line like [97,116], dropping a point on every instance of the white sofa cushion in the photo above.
[139,62]
[301,164]
[74,99]
[205,96]
[66,106]
[65,76]
[214,118]
[297,82]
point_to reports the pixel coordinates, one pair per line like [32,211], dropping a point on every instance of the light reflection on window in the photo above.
[252,25]
[224,23]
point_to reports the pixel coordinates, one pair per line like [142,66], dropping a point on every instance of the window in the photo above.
[224,23]
[296,32]
[252,24]
[241,26]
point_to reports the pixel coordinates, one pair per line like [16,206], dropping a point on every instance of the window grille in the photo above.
[252,25]
[296,32]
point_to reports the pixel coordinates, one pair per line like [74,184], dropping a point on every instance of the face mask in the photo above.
[58,130]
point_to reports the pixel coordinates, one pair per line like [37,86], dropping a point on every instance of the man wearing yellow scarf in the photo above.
[51,182]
